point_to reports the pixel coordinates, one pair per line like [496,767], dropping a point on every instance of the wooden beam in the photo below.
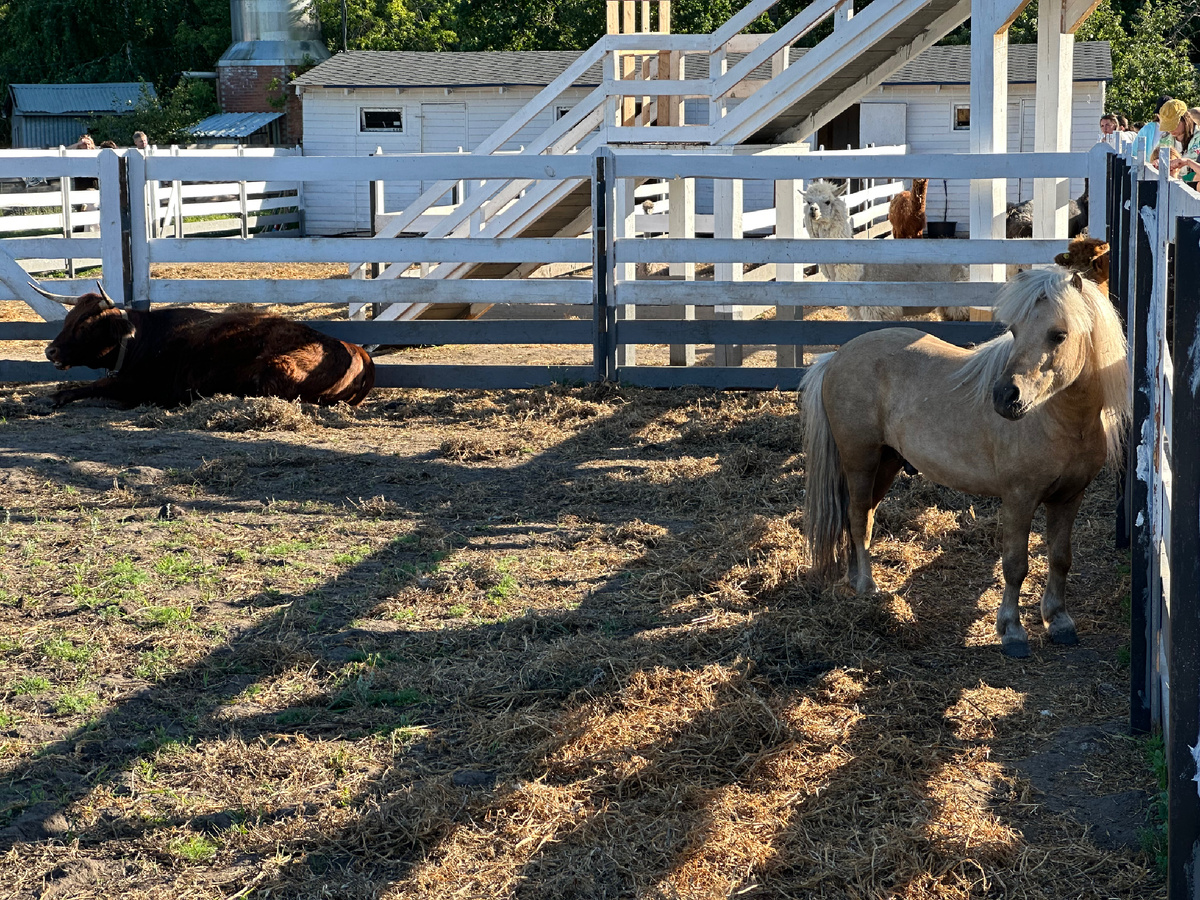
[1052,125]
[1076,12]
[989,134]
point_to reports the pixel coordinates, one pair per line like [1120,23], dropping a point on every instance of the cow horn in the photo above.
[108,301]
[64,299]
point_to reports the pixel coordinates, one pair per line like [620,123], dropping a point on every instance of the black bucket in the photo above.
[940,229]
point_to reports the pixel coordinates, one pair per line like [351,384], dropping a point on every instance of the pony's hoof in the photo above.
[1062,631]
[1015,649]
[1065,637]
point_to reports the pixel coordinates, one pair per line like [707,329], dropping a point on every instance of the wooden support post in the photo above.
[65,186]
[243,200]
[1052,127]
[139,229]
[629,60]
[114,227]
[727,223]
[788,224]
[1183,801]
[177,198]
[682,215]
[623,228]
[989,133]
[602,284]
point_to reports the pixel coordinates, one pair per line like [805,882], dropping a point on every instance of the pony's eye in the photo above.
[1057,337]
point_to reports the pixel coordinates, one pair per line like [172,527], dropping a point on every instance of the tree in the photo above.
[165,120]
[390,24]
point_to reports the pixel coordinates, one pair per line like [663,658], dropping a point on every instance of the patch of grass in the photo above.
[31,684]
[361,695]
[352,557]
[7,719]
[297,716]
[458,610]
[1153,838]
[195,848]
[123,574]
[153,664]
[164,616]
[75,703]
[179,566]
[62,649]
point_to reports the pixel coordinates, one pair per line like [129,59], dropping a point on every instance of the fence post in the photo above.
[139,230]
[67,230]
[788,225]
[243,200]
[177,198]
[622,227]
[114,232]
[681,194]
[1141,665]
[603,357]
[1183,651]
[727,223]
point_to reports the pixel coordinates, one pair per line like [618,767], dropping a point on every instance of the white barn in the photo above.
[403,102]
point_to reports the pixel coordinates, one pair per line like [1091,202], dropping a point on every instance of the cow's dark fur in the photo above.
[176,355]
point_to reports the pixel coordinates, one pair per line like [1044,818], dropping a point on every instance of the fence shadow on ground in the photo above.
[696,711]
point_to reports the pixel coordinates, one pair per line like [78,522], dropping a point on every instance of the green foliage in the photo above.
[71,41]
[1148,61]
[390,24]
[195,848]
[1150,50]
[1153,838]
[166,120]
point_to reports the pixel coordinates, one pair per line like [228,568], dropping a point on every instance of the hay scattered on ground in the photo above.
[552,643]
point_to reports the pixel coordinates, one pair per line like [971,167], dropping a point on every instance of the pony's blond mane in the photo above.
[1087,311]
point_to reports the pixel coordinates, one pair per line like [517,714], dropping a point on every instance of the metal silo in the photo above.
[273,33]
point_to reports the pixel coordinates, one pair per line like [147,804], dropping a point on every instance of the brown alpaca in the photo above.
[906,213]
[1089,257]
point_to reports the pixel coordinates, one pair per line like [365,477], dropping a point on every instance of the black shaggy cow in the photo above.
[176,355]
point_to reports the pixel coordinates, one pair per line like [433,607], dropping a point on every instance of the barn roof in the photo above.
[537,68]
[75,99]
[233,124]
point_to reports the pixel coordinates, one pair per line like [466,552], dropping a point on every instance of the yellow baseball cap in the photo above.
[1170,114]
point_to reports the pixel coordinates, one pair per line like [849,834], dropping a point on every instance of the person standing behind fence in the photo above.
[1146,141]
[1187,167]
[140,140]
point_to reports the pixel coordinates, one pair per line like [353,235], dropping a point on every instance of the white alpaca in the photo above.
[827,216]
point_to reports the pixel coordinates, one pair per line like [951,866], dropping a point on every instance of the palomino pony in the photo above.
[1030,417]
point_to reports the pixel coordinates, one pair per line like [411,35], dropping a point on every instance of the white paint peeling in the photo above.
[1196,762]
[1141,519]
[1194,360]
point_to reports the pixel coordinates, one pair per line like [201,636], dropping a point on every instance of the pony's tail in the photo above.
[826,524]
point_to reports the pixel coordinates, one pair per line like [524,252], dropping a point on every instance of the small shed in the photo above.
[48,115]
[246,129]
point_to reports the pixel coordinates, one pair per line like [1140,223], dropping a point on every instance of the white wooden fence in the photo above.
[1155,235]
[612,246]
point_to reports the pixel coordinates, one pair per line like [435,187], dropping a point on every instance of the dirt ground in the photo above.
[556,643]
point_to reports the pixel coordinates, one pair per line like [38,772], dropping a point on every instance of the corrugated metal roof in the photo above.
[76,99]
[233,125]
[537,68]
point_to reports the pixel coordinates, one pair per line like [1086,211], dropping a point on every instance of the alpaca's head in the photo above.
[825,212]
[919,188]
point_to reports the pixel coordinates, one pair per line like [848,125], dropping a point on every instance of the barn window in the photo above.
[560,111]
[381,120]
[962,117]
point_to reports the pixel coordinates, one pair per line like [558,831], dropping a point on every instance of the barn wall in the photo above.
[331,128]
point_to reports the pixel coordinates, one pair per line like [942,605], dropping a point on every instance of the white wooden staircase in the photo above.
[782,99]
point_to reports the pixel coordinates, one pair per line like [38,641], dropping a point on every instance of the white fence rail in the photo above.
[631,264]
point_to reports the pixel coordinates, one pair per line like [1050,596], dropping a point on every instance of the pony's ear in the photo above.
[1077,281]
